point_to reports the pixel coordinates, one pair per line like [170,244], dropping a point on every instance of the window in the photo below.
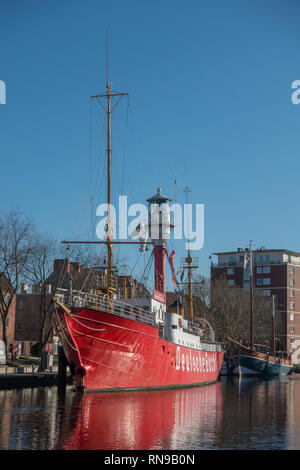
[230,282]
[241,258]
[291,340]
[230,271]
[267,293]
[267,258]
[7,322]
[292,328]
[292,293]
[266,281]
[265,269]
[7,299]
[19,326]
[292,305]
[291,317]
[259,282]
[292,281]
[292,270]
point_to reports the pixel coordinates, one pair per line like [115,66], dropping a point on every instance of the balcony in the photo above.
[241,263]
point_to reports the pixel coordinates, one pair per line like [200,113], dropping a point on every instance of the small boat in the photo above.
[264,364]
[230,369]
[246,359]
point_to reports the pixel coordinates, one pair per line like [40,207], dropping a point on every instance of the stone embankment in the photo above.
[28,375]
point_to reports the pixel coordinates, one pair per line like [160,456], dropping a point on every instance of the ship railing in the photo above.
[197,328]
[102,281]
[99,301]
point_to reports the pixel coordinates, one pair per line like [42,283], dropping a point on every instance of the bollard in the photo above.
[62,367]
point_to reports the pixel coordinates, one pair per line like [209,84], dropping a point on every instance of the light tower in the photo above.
[159,227]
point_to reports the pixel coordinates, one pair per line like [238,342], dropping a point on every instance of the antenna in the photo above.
[107,58]
[175,181]
[175,196]
[187,191]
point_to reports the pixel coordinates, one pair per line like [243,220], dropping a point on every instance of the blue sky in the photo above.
[209,86]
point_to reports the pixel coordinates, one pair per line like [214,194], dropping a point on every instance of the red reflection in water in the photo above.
[146,420]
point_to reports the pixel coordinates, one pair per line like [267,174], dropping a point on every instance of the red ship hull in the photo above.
[113,353]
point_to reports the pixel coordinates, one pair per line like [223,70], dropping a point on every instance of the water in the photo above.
[240,414]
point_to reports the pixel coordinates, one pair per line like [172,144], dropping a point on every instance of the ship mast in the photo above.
[110,258]
[191,263]
[109,225]
[251,297]
[108,96]
[105,99]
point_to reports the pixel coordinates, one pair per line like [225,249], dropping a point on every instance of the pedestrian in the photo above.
[11,350]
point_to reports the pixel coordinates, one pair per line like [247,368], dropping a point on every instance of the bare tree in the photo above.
[37,271]
[16,232]
[228,311]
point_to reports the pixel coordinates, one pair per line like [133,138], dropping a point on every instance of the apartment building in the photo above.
[275,272]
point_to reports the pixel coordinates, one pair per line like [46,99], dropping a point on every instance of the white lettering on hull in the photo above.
[195,361]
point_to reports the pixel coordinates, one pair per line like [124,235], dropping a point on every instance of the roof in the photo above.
[296,253]
[172,298]
[5,284]
[158,197]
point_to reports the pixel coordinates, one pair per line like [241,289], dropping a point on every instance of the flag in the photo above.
[136,231]
[180,270]
[246,260]
[171,259]
[142,230]
[273,306]
[182,275]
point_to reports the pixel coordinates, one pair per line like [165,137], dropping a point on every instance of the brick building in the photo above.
[275,272]
[27,322]
[65,272]
[10,320]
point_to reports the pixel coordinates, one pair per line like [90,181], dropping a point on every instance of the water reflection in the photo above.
[258,410]
[240,414]
[147,420]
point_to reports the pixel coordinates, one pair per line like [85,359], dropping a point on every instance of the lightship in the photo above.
[126,344]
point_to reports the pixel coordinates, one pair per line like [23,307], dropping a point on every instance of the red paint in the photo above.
[160,268]
[145,420]
[111,352]
[159,296]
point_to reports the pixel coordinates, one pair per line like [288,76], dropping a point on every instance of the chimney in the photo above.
[24,288]
[76,267]
[36,289]
[62,264]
